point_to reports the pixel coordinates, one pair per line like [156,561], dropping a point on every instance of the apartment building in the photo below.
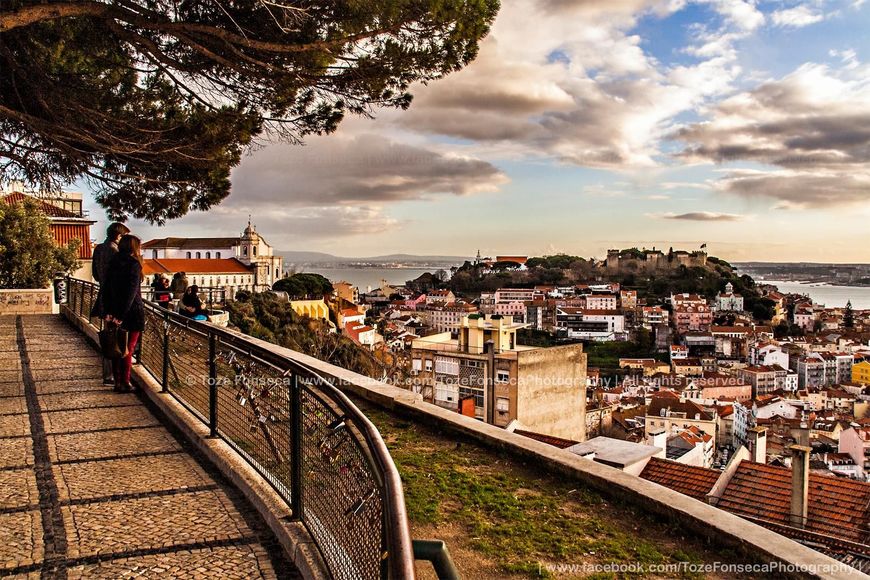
[652,316]
[585,324]
[820,369]
[668,413]
[447,318]
[690,317]
[485,373]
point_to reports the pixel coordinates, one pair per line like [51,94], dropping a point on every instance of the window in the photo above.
[217,255]
[154,254]
[198,255]
[447,366]
[428,365]
[417,365]
[188,255]
[502,376]
[208,255]
[255,250]
[245,251]
[502,404]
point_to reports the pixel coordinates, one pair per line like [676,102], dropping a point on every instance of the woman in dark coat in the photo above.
[122,302]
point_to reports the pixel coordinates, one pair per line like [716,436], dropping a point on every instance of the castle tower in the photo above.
[613,260]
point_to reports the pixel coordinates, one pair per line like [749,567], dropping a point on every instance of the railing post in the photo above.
[164,383]
[296,447]
[91,299]
[212,385]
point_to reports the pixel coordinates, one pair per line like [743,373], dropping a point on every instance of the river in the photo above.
[831,296]
[363,278]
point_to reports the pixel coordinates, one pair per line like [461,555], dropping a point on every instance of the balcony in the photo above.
[309,456]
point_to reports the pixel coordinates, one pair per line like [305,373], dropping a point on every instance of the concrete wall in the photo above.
[551,391]
[26,301]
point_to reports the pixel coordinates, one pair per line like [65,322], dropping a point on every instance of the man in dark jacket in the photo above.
[103,254]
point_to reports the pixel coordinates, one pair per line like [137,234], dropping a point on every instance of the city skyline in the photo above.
[733,123]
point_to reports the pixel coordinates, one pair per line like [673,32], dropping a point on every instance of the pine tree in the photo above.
[849,316]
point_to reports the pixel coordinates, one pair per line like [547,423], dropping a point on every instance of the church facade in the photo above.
[246,262]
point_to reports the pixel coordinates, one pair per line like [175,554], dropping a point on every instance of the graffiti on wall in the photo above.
[25,301]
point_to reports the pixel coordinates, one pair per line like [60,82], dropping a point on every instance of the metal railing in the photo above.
[208,294]
[302,434]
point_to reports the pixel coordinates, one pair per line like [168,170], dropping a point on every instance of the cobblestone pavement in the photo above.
[92,485]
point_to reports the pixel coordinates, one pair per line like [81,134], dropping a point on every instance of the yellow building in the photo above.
[311,308]
[861,373]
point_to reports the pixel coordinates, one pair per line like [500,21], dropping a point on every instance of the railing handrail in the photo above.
[400,554]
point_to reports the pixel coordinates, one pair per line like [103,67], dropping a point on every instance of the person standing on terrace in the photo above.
[123,303]
[103,254]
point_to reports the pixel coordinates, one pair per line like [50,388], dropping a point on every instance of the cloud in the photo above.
[365,169]
[577,86]
[812,127]
[701,216]
[797,17]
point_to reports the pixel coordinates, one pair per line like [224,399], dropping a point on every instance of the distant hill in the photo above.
[296,257]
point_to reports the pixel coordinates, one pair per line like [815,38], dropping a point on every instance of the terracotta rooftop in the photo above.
[690,480]
[549,439]
[213,266]
[837,507]
[48,209]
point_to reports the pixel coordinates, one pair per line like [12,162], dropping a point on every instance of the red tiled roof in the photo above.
[690,480]
[46,208]
[549,439]
[836,507]
[194,243]
[214,266]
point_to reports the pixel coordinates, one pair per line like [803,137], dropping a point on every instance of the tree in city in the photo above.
[154,102]
[849,316]
[302,286]
[29,257]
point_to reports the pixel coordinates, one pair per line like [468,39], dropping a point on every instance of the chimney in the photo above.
[757,444]
[658,439]
[800,484]
[803,437]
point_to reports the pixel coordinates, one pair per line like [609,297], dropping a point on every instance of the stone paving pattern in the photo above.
[92,485]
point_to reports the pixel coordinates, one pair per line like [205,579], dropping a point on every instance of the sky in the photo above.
[590,124]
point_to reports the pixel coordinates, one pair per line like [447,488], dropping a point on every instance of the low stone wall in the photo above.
[26,301]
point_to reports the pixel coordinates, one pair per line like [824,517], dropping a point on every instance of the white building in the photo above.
[729,301]
[584,324]
[250,250]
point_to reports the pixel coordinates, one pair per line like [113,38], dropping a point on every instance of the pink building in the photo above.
[692,318]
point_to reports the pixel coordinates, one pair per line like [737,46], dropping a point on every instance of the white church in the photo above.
[246,262]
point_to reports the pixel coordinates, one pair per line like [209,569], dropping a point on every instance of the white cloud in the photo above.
[576,86]
[813,126]
[797,17]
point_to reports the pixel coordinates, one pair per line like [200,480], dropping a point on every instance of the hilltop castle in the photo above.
[634,260]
